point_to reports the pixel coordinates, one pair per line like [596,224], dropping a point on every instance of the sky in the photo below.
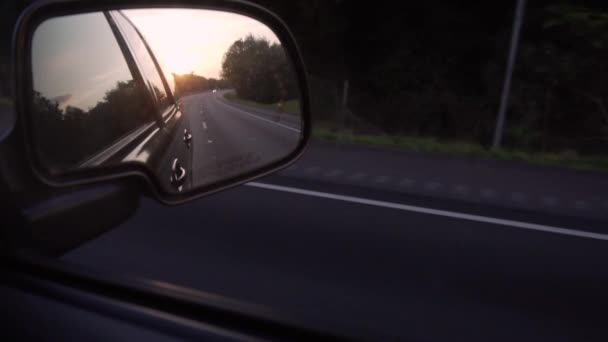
[194,40]
[76,59]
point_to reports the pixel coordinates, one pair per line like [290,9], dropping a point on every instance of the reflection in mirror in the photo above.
[197,96]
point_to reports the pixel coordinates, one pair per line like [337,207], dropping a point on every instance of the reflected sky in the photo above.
[194,40]
[75,59]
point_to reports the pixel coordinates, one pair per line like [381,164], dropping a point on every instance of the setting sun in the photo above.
[195,41]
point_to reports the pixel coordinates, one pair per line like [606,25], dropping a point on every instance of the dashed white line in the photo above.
[581,205]
[487,193]
[461,189]
[334,173]
[406,182]
[432,186]
[549,201]
[204,125]
[518,197]
[436,212]
[357,176]
[381,179]
[312,169]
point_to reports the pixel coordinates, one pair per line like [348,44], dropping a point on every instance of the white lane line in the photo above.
[487,193]
[461,189]
[357,176]
[381,179]
[518,197]
[312,169]
[437,212]
[334,173]
[259,117]
[406,183]
[432,186]
[204,125]
[580,205]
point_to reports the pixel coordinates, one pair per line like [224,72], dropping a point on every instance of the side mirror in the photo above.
[193,99]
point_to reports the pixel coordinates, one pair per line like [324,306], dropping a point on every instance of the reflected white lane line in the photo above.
[436,212]
[257,117]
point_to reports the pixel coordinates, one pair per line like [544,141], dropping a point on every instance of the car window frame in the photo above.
[110,146]
[162,115]
[22,83]
[109,150]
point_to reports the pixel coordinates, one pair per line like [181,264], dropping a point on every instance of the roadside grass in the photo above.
[567,158]
[289,107]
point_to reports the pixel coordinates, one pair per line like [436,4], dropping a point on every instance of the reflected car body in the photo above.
[136,120]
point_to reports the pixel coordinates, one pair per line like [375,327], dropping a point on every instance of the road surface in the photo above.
[369,261]
[230,140]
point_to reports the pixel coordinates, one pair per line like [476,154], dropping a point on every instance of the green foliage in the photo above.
[431,145]
[191,83]
[259,71]
[66,137]
[560,85]
[287,107]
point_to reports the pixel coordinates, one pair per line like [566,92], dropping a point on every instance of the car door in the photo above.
[118,107]
[103,107]
[168,150]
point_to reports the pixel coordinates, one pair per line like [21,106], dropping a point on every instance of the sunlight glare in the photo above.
[190,40]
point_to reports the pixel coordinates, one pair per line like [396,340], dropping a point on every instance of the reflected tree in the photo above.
[259,71]
[66,137]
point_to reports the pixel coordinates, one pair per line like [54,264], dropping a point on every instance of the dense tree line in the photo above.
[436,68]
[65,137]
[259,71]
[192,83]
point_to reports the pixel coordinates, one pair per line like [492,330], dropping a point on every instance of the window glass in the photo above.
[85,97]
[151,73]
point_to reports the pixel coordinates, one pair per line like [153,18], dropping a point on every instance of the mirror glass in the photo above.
[197,96]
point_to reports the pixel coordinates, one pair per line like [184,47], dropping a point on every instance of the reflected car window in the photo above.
[145,61]
[83,90]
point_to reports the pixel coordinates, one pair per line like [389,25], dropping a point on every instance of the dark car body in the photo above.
[136,121]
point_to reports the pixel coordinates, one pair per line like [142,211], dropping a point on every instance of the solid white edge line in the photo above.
[437,212]
[258,117]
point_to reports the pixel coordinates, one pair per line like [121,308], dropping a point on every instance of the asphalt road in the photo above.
[366,259]
[370,270]
[230,140]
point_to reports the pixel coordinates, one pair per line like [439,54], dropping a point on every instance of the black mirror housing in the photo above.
[23,85]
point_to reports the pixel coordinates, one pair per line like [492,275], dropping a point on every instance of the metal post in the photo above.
[345,94]
[504,99]
[342,110]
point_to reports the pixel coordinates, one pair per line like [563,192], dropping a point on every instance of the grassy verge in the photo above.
[290,107]
[569,159]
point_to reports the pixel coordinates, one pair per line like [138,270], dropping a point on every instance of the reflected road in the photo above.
[229,139]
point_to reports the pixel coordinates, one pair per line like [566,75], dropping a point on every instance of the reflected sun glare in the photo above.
[191,40]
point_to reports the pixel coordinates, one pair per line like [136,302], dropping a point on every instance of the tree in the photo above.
[259,70]
[64,138]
